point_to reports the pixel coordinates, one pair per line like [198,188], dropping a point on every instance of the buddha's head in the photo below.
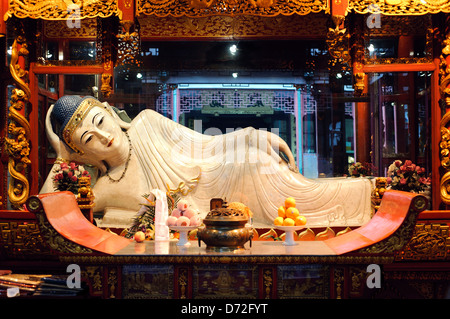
[89,128]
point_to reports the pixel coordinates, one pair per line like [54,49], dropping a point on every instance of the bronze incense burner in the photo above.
[225,229]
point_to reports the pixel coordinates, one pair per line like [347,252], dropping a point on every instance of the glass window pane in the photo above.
[80,84]
[401,107]
[81,50]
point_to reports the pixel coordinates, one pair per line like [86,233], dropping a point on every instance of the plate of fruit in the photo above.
[289,220]
[183,219]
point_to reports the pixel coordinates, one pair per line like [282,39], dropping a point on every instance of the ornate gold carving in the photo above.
[54,29]
[444,88]
[20,239]
[339,281]
[359,83]
[248,26]
[106,85]
[444,71]
[227,259]
[84,189]
[112,282]
[95,275]
[429,242]
[400,7]
[17,145]
[268,282]
[202,8]
[338,43]
[378,192]
[62,9]
[182,282]
[357,281]
[129,44]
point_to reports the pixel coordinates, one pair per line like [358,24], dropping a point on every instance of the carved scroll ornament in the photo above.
[444,88]
[17,142]
[62,9]
[202,8]
[399,7]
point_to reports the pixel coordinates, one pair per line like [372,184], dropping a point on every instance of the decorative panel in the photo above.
[63,10]
[303,281]
[147,281]
[60,29]
[230,101]
[249,26]
[202,8]
[225,281]
[400,7]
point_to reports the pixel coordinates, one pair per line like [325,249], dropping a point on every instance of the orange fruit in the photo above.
[281,211]
[278,221]
[300,220]
[288,222]
[292,212]
[289,202]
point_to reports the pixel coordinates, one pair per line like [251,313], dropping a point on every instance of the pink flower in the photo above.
[64,165]
[59,176]
[389,180]
[398,163]
[72,165]
[402,181]
[74,178]
[408,162]
[85,173]
[70,174]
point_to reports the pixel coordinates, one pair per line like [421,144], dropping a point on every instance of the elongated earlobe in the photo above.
[61,149]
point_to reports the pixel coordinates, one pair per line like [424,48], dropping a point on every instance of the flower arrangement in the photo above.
[407,177]
[360,169]
[145,217]
[67,175]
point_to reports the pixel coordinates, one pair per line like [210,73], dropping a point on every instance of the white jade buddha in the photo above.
[154,152]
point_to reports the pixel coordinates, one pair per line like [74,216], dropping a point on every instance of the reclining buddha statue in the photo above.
[154,152]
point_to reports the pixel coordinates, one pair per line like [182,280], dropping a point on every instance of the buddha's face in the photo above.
[100,137]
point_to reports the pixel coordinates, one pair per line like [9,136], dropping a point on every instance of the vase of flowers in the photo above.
[408,177]
[360,169]
[67,175]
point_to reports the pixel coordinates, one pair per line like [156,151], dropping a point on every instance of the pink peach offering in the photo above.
[182,205]
[172,221]
[176,213]
[195,220]
[183,221]
[189,213]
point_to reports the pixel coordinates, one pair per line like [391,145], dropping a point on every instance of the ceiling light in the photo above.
[233,49]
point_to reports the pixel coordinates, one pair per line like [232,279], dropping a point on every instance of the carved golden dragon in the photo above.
[17,145]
